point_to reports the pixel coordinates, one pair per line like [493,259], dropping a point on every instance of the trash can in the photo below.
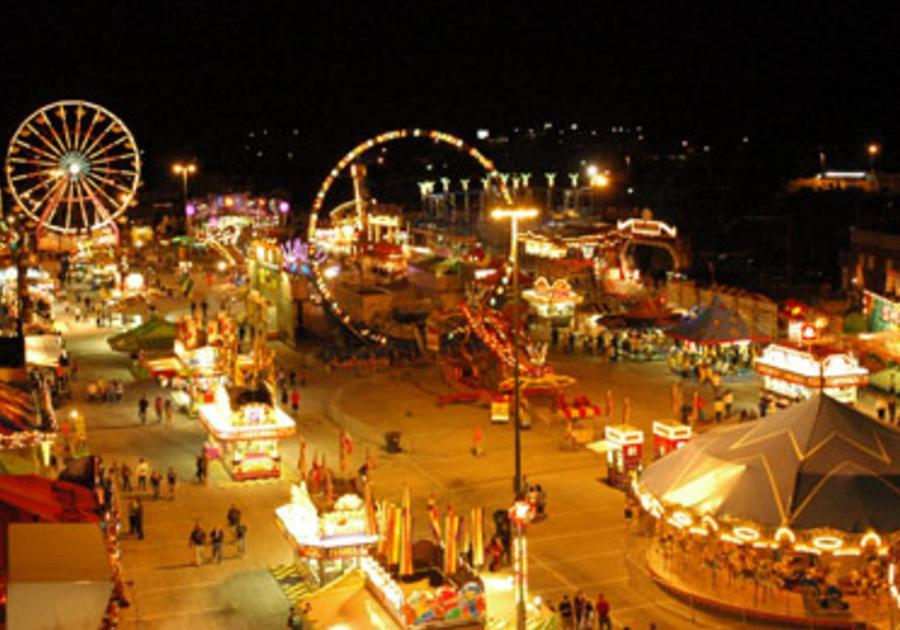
[392,442]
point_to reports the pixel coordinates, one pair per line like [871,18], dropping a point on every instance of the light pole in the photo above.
[515,215]
[521,513]
[873,150]
[184,171]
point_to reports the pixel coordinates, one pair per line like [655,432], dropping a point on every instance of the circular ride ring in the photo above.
[438,137]
[73,167]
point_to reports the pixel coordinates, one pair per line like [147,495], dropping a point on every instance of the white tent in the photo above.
[60,576]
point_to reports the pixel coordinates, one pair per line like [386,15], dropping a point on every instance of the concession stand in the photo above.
[331,543]
[625,448]
[669,436]
[244,427]
[793,373]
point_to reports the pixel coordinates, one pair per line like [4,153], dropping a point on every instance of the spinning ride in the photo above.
[360,329]
[73,168]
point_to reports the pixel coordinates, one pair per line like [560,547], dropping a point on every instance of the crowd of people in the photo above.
[708,363]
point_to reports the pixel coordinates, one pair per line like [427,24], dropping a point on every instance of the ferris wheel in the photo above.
[73,167]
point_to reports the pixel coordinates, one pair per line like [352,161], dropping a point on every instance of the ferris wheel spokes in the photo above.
[73,167]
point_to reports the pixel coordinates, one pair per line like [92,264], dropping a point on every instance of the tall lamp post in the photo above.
[515,215]
[873,150]
[184,171]
[519,513]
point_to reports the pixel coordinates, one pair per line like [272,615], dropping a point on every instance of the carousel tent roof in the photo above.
[154,334]
[819,463]
[715,324]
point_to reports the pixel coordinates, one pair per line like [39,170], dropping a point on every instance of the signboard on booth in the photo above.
[500,409]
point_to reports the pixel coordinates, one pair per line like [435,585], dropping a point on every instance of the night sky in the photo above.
[194,78]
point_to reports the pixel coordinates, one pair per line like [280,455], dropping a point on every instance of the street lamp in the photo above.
[521,513]
[184,171]
[873,150]
[515,215]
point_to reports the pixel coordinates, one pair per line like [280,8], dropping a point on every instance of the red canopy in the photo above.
[48,500]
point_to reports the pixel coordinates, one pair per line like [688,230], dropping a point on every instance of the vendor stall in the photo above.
[331,543]
[625,448]
[244,427]
[714,339]
[554,302]
[794,373]
[668,437]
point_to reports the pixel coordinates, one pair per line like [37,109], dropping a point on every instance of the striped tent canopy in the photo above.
[716,324]
[817,464]
[26,416]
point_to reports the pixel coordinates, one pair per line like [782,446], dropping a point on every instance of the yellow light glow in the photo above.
[498,214]
[870,538]
[827,543]
[873,149]
[600,180]
[747,534]
[682,518]
[784,533]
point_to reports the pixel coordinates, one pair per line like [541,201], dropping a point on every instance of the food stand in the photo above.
[244,427]
[331,543]
[669,436]
[625,448]
[553,302]
[792,372]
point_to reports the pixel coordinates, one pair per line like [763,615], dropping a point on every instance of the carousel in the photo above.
[793,517]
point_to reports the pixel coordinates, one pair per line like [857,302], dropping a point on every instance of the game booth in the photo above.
[789,519]
[331,543]
[624,450]
[669,436]
[244,427]
[792,373]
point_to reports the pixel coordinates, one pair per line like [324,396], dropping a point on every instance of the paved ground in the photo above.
[582,545]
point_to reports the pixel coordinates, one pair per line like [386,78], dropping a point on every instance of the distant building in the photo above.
[863,181]
[874,261]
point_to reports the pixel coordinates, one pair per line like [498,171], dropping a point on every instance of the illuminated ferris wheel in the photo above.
[73,167]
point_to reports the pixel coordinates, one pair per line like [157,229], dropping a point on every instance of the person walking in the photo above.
[295,400]
[169,410]
[143,471]
[565,611]
[216,538]
[125,473]
[155,483]
[587,620]
[139,518]
[719,409]
[201,467]
[728,399]
[240,538]
[158,406]
[477,441]
[143,405]
[132,516]
[196,541]
[171,480]
[578,606]
[233,517]
[601,609]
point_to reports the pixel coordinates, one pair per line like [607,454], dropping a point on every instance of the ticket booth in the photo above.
[625,448]
[669,436]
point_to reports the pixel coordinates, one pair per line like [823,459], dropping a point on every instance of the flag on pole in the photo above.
[434,519]
[451,551]
[406,561]
[610,405]
[477,528]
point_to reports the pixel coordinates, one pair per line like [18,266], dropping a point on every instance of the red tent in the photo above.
[47,500]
